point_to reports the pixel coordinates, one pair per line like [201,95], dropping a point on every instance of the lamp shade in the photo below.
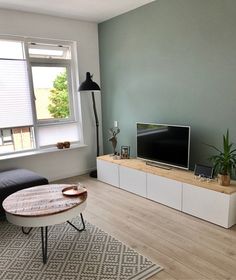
[88,84]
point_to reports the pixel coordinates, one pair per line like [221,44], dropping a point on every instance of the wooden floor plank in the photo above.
[187,247]
[163,242]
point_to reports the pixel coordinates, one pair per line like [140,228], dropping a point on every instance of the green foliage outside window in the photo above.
[59,97]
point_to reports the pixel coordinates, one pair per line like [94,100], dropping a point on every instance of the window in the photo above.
[51,92]
[37,94]
[16,139]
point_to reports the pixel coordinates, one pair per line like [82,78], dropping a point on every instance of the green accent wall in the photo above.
[171,62]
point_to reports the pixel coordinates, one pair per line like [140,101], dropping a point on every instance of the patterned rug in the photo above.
[89,255]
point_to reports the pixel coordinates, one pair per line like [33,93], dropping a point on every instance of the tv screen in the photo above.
[165,144]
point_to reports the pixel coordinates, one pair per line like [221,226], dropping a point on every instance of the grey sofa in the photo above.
[16,179]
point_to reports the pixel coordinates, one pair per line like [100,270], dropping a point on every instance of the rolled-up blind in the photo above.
[15,101]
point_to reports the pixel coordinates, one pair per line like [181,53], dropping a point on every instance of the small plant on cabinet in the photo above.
[224,163]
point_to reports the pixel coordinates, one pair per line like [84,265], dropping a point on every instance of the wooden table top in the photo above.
[41,201]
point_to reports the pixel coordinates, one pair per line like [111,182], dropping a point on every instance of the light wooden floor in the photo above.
[187,247]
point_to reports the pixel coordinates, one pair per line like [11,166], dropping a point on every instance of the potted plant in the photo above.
[224,163]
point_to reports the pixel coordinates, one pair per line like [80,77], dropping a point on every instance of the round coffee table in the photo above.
[43,206]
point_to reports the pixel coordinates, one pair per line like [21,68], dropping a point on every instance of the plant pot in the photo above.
[66,144]
[59,145]
[224,180]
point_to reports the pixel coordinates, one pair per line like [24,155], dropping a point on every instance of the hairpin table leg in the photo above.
[26,232]
[44,237]
[82,219]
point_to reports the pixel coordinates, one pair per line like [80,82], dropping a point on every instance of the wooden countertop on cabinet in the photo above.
[183,176]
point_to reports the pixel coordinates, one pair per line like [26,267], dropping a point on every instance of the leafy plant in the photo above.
[59,101]
[225,161]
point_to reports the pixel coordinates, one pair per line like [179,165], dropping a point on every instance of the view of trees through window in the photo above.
[51,92]
[59,101]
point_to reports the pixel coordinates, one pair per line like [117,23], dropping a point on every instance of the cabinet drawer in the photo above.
[206,204]
[108,172]
[165,191]
[133,180]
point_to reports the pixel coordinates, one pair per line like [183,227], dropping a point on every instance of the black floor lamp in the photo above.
[90,86]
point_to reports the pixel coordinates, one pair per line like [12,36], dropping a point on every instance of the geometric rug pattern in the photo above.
[88,255]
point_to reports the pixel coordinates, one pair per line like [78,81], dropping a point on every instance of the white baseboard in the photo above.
[73,174]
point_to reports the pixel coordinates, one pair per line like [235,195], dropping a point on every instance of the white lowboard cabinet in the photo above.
[165,191]
[133,180]
[175,188]
[209,205]
[108,172]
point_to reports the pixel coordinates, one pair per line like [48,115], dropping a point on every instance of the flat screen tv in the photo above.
[164,144]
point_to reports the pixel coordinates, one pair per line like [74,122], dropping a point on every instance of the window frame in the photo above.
[71,65]
[43,63]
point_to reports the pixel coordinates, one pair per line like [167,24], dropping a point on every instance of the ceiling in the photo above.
[88,10]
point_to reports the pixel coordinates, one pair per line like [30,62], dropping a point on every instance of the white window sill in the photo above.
[41,151]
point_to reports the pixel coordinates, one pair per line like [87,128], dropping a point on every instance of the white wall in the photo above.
[71,162]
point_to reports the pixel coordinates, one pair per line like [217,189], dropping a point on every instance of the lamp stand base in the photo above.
[93,174]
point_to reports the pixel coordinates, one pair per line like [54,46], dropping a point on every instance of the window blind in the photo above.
[15,101]
[50,135]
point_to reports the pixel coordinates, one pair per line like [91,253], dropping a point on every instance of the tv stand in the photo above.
[175,188]
[151,163]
